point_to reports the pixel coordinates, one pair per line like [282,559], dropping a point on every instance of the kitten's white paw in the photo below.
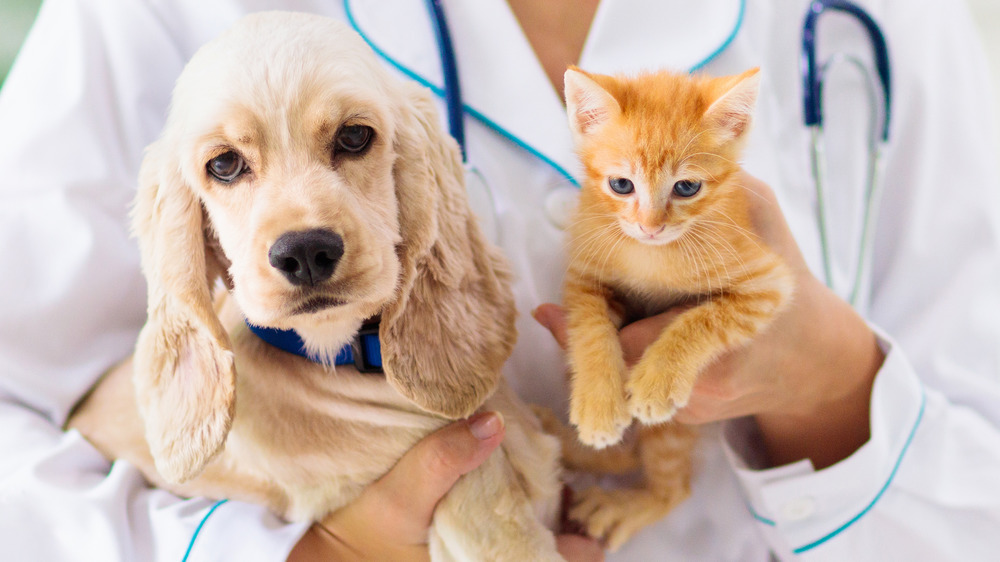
[652,412]
[654,396]
[599,413]
[600,421]
[600,439]
[604,432]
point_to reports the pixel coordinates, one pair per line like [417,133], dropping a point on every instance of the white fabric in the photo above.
[91,88]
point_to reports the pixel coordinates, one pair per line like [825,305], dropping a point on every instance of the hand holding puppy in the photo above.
[389,521]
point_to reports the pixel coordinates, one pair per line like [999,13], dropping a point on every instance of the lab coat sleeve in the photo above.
[88,92]
[925,486]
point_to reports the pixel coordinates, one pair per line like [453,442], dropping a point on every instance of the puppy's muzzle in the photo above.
[308,257]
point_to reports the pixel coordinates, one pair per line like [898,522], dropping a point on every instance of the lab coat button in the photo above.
[799,508]
[560,204]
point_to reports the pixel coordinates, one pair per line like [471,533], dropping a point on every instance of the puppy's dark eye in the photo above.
[687,188]
[353,139]
[623,186]
[226,167]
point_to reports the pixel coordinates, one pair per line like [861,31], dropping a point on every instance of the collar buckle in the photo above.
[367,350]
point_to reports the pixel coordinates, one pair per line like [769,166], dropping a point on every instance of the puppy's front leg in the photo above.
[487,515]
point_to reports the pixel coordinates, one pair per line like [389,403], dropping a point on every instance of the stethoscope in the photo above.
[813,76]
[455,109]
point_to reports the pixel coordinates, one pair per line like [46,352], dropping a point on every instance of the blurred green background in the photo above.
[15,19]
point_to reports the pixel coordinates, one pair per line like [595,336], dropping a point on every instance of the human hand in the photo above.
[806,379]
[390,519]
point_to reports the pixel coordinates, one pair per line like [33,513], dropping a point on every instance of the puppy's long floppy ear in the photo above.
[184,373]
[449,331]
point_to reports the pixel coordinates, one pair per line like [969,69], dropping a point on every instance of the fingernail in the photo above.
[486,425]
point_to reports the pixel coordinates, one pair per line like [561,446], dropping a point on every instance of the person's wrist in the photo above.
[318,543]
[825,418]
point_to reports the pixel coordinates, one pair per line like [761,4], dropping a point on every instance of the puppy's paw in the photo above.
[600,418]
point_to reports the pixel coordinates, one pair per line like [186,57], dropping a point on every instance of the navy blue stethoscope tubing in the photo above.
[449,68]
[452,92]
[812,72]
[459,106]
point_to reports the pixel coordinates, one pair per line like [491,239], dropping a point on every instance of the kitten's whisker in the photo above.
[690,255]
[731,224]
[712,154]
[710,241]
[724,278]
[706,172]
[712,231]
[717,237]
[591,243]
[610,252]
[752,192]
[694,138]
[598,244]
[702,257]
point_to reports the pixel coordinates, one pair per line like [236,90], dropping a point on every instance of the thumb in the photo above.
[553,318]
[403,500]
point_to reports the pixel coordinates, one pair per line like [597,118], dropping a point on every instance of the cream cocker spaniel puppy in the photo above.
[322,193]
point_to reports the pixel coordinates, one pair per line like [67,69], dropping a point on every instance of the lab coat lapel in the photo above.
[400,31]
[502,82]
[505,83]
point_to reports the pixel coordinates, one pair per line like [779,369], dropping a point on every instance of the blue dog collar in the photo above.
[364,351]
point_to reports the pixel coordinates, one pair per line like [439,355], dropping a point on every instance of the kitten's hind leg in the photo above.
[614,516]
[617,459]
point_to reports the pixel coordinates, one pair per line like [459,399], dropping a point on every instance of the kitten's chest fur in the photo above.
[650,279]
[648,282]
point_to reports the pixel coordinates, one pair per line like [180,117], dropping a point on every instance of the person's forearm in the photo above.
[831,421]
[319,543]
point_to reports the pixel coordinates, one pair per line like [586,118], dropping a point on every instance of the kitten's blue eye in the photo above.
[622,186]
[687,188]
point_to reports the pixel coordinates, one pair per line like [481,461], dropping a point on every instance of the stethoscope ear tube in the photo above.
[812,69]
[813,77]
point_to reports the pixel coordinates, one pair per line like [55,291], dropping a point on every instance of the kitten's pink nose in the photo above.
[650,231]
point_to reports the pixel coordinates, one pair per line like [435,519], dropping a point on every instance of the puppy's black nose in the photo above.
[308,257]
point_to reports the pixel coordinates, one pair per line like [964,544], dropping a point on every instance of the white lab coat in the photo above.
[91,90]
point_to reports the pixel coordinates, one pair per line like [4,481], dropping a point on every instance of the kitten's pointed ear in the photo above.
[732,110]
[588,104]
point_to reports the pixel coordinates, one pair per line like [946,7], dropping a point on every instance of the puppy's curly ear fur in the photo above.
[184,374]
[447,335]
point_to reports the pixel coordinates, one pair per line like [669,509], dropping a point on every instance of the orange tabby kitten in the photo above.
[661,221]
